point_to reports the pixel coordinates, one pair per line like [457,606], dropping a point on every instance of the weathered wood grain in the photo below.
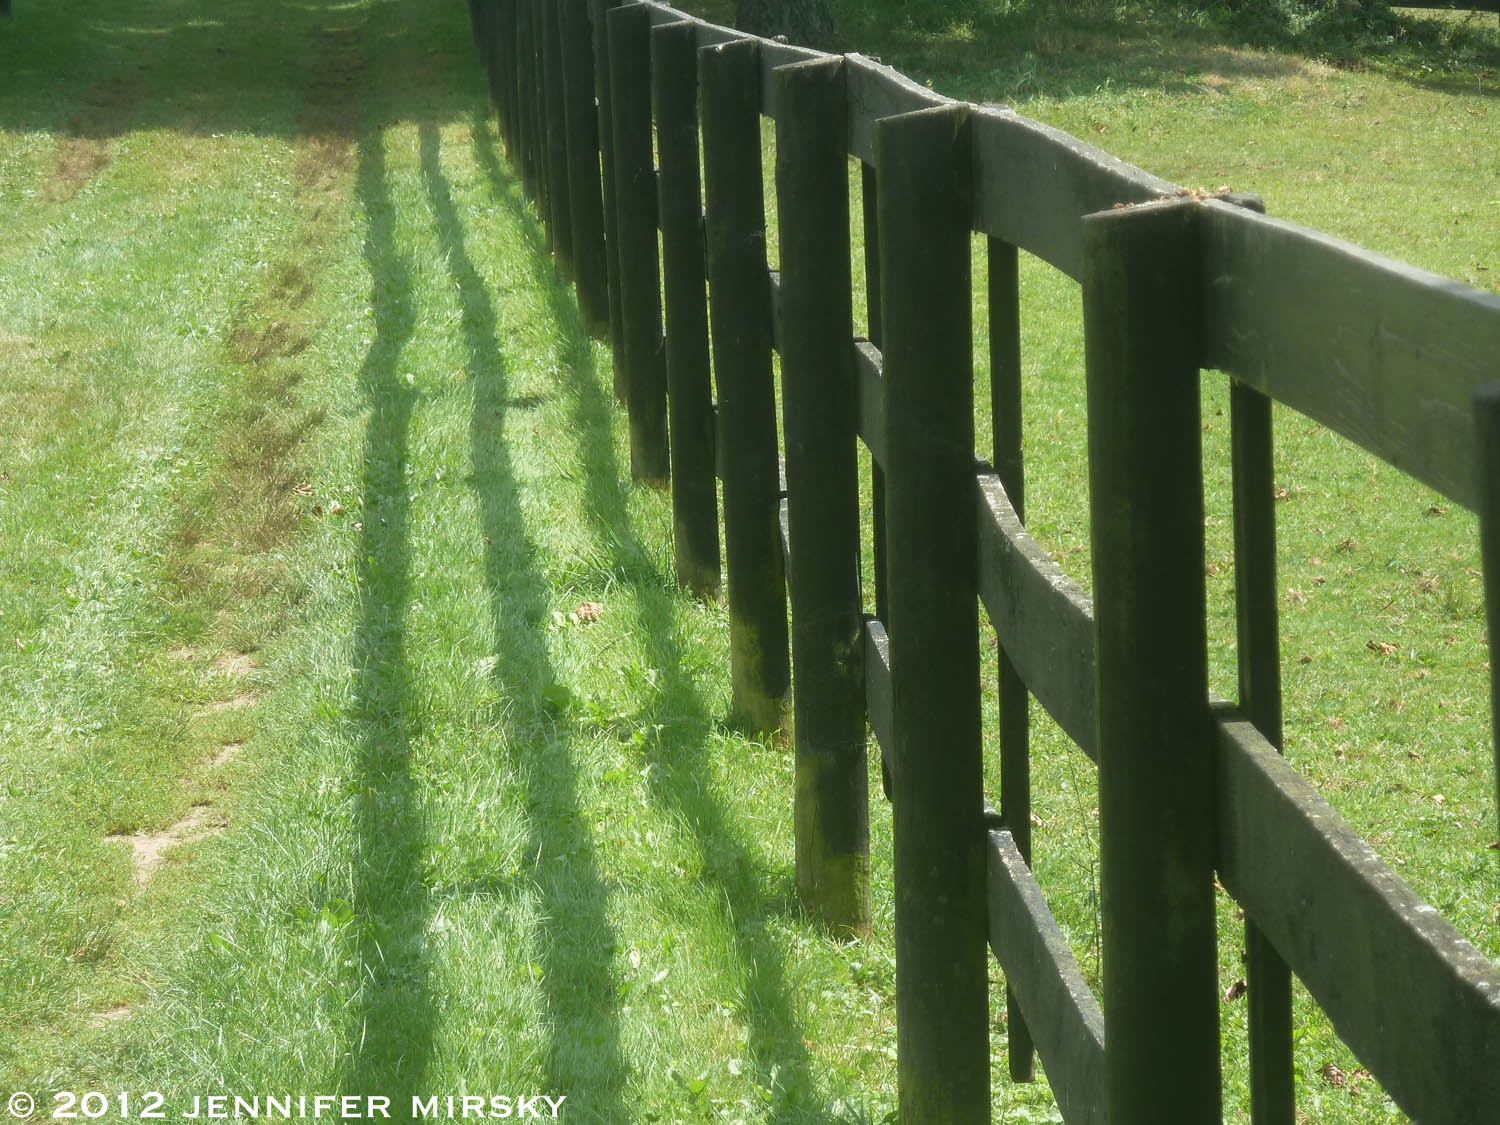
[1415,1001]
[1141,293]
[695,496]
[1385,354]
[555,113]
[740,318]
[1042,617]
[1064,1019]
[814,312]
[591,271]
[942,1033]
[598,12]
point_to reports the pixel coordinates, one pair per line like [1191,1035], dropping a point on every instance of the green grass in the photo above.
[296,418]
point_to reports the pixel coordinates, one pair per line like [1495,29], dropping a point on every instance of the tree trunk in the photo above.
[808,23]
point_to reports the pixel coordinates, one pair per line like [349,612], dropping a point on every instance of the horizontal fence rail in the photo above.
[607,110]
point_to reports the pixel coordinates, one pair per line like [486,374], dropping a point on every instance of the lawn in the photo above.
[355,739]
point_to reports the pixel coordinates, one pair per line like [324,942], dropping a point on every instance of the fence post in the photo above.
[695,485]
[541,152]
[525,90]
[822,472]
[1273,1094]
[942,988]
[1487,419]
[635,202]
[583,166]
[1141,298]
[559,193]
[739,289]
[870,197]
[1014,699]
[598,10]
[505,65]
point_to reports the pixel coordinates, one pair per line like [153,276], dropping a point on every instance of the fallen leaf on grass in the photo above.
[589,612]
[302,488]
[1341,1079]
[1385,648]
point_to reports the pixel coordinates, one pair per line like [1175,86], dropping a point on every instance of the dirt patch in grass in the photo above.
[235,702]
[235,664]
[110,1015]
[84,151]
[148,850]
[227,753]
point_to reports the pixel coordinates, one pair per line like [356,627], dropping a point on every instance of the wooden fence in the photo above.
[1190,788]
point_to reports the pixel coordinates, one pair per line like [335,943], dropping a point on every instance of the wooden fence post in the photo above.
[942,989]
[819,408]
[1014,699]
[1273,1094]
[870,197]
[587,204]
[534,170]
[598,11]
[1487,419]
[522,71]
[1142,295]
[695,484]
[635,221]
[559,193]
[505,65]
[739,289]
[541,151]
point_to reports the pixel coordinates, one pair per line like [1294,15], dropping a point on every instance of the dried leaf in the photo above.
[1333,1074]
[589,612]
[1385,648]
[302,488]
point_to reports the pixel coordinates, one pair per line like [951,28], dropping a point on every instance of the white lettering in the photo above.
[377,1104]
[419,1108]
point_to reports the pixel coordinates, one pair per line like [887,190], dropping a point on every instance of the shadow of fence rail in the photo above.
[609,111]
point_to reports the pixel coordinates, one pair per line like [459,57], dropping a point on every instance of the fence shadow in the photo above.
[678,781]
[583,1056]
[392,1019]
